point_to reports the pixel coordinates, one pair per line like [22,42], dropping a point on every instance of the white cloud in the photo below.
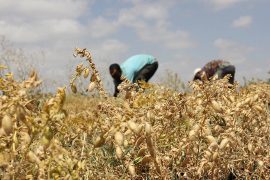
[41,21]
[149,19]
[155,10]
[152,25]
[160,34]
[222,4]
[232,51]
[110,48]
[42,9]
[101,27]
[242,22]
[38,31]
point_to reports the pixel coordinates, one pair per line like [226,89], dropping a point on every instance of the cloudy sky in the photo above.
[182,34]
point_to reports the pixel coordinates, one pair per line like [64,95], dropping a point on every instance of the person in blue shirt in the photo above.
[136,68]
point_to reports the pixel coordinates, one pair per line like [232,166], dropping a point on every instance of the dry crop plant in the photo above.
[216,131]
[29,144]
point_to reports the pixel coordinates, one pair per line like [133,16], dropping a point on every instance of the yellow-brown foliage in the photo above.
[213,132]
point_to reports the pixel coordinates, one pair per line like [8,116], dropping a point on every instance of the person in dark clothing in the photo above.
[217,68]
[136,68]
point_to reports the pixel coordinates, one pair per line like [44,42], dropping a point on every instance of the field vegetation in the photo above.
[213,131]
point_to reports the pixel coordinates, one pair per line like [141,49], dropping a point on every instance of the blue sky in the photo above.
[182,34]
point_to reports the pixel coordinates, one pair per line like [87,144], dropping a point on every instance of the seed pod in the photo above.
[25,138]
[99,141]
[250,147]
[147,129]
[119,138]
[211,139]
[2,132]
[73,88]
[91,86]
[213,146]
[4,98]
[12,109]
[196,127]
[199,101]
[215,156]
[218,128]
[203,76]
[255,98]
[232,99]
[150,115]
[32,157]
[254,122]
[260,163]
[216,106]
[192,135]
[200,171]
[112,130]
[125,143]
[79,68]
[208,166]
[7,124]
[22,92]
[126,106]
[223,143]
[195,149]
[239,104]
[232,134]
[93,78]
[30,106]
[131,170]
[86,72]
[128,132]
[134,127]
[259,108]
[208,154]
[118,152]
[45,141]
[140,128]
[247,100]
[48,133]
[207,130]
[215,77]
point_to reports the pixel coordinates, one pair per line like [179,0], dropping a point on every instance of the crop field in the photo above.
[214,131]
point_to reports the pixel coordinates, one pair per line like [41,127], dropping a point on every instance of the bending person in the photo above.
[217,68]
[136,68]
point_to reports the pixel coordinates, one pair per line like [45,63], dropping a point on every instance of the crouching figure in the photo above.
[215,68]
[136,68]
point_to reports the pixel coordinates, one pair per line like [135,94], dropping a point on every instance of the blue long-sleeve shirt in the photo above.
[134,64]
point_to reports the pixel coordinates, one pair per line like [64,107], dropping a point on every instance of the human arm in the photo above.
[116,90]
